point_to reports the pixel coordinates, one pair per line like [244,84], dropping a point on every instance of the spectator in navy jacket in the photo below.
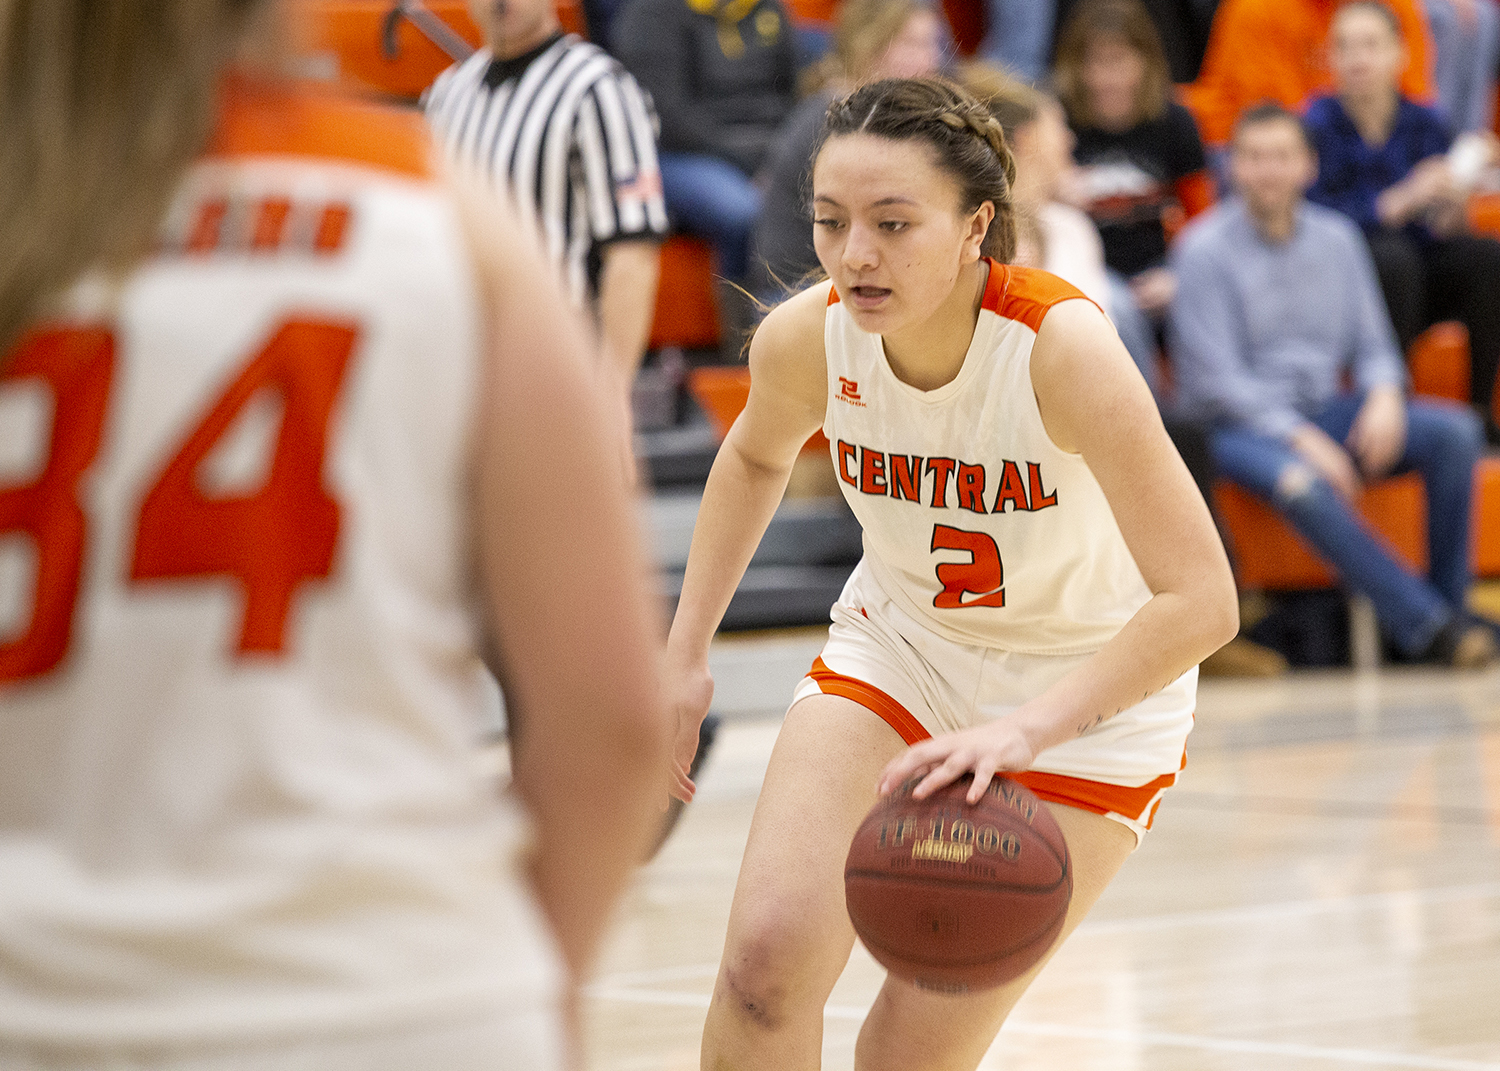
[1276,308]
[1384,162]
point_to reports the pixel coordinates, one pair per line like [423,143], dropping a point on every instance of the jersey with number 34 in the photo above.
[974,521]
[239,673]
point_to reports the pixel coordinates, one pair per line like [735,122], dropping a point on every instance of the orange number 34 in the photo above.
[270,540]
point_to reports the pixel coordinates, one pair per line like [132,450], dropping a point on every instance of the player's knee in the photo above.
[1298,484]
[760,972]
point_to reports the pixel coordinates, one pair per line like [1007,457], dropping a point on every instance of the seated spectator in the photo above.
[1181,25]
[1276,304]
[1466,48]
[533,86]
[1043,146]
[723,74]
[874,39]
[1383,162]
[1273,50]
[1140,163]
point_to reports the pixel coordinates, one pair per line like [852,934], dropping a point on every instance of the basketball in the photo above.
[955,897]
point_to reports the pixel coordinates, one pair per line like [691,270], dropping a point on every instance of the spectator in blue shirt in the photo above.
[1384,162]
[1276,309]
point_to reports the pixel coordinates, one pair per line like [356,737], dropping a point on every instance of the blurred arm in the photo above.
[565,584]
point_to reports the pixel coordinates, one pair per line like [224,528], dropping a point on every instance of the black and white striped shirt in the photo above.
[572,136]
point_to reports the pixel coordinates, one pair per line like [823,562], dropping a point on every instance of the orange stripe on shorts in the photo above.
[867,695]
[1096,796]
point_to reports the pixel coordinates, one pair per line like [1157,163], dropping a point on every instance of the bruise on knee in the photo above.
[759,1004]
[1295,483]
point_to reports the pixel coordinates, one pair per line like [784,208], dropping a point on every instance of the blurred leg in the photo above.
[1444,443]
[1463,281]
[1403,281]
[715,200]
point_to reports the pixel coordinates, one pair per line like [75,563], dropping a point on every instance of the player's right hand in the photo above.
[689,691]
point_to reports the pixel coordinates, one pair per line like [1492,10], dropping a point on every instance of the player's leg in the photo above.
[911,1029]
[789,932]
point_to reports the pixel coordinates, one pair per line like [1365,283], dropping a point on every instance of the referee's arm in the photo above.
[627,300]
[632,227]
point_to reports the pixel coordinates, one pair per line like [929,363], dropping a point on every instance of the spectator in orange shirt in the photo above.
[1275,50]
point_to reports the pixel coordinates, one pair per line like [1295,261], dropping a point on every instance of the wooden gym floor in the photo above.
[1322,892]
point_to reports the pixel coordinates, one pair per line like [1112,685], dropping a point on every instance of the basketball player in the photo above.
[1040,577]
[289,427]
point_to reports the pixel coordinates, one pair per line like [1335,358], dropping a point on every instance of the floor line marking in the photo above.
[1163,1039]
[1270,911]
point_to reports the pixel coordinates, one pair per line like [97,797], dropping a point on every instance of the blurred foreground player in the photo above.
[290,427]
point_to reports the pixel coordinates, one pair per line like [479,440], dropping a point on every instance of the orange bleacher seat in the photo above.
[1269,555]
[722,393]
[685,313]
[349,33]
[1439,362]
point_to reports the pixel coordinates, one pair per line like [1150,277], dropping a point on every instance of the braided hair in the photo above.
[968,142]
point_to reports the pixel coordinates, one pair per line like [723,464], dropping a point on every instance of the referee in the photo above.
[560,123]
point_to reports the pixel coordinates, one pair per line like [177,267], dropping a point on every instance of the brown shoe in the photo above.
[1241,657]
[1476,648]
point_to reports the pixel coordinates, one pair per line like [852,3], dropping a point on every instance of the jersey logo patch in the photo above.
[849,392]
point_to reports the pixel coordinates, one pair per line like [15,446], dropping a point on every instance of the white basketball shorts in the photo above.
[923,685]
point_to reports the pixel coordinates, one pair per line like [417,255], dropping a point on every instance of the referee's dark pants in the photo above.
[1455,278]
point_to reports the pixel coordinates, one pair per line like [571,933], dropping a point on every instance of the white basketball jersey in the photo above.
[975,523]
[239,676]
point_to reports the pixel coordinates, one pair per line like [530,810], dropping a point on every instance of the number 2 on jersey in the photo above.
[270,540]
[983,576]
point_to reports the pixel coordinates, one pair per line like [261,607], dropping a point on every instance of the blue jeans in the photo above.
[1443,443]
[1464,64]
[1018,36]
[715,200]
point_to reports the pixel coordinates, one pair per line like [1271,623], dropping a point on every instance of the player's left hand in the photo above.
[983,751]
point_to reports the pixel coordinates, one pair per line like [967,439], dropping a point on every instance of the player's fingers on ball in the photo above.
[943,774]
[983,771]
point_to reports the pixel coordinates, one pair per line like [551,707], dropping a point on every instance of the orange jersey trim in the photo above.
[266,118]
[1027,294]
[1016,293]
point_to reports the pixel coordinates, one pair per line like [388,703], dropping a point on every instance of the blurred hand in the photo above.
[689,691]
[1378,436]
[1154,288]
[1328,458]
[1428,189]
[983,751]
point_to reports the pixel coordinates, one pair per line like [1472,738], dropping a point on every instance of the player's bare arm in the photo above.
[1094,403]
[788,393]
[594,725]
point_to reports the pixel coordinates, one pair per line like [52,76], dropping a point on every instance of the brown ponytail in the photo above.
[103,104]
[968,141]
